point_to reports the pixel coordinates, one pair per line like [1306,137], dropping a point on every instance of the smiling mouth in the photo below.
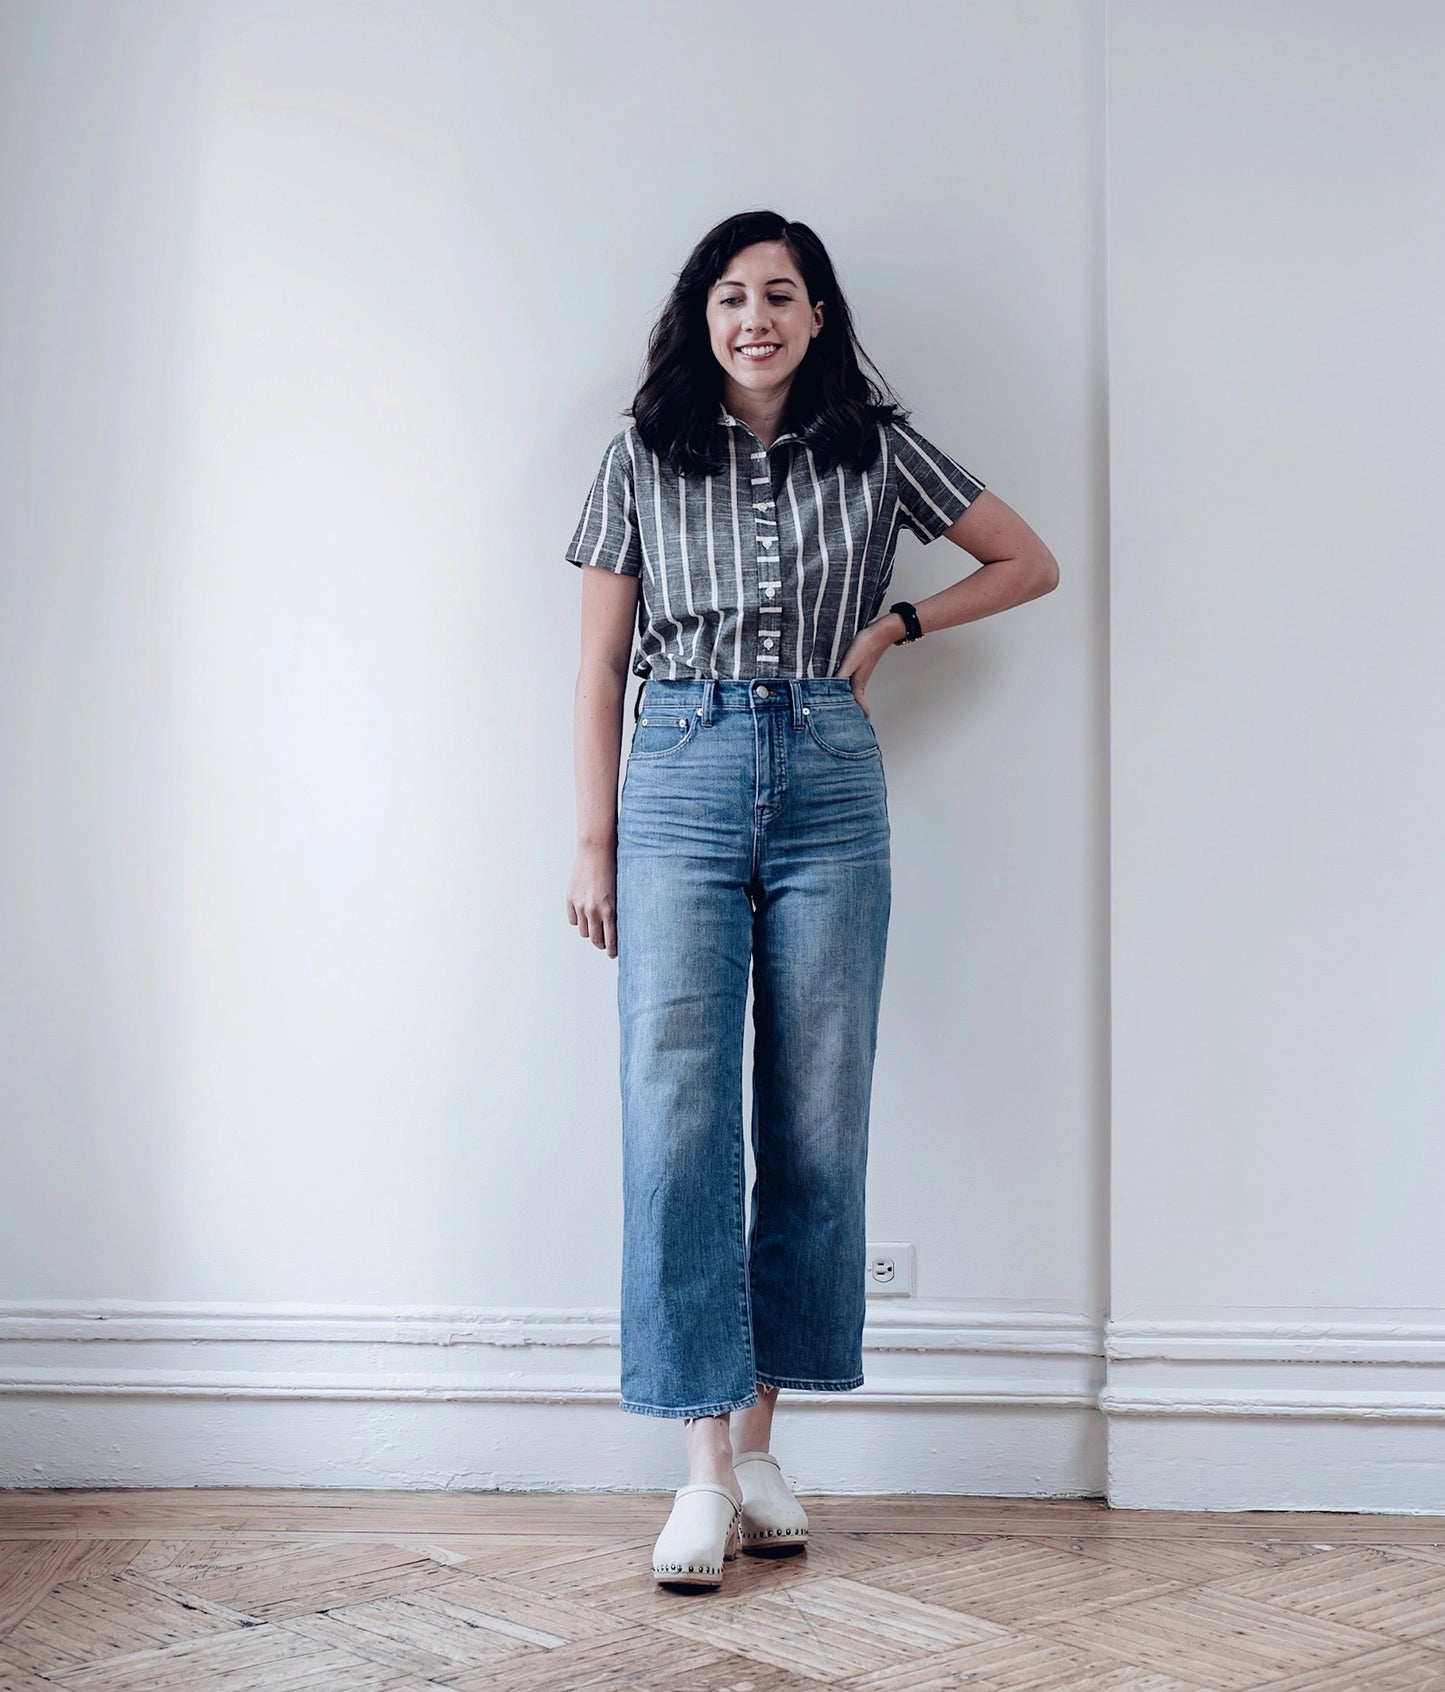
[761,351]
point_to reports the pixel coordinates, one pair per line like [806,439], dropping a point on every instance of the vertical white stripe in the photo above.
[716,605]
[799,567]
[870,549]
[600,479]
[629,513]
[890,538]
[843,608]
[673,645]
[686,568]
[604,524]
[886,575]
[647,551]
[737,558]
[873,551]
[823,549]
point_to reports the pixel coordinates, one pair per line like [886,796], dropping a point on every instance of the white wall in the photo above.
[1277,353]
[315,322]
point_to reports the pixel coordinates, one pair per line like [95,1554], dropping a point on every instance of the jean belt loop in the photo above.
[795,691]
[709,693]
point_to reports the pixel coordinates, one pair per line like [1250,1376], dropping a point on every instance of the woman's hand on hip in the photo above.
[861,658]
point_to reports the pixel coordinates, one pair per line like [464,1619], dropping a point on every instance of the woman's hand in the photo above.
[864,651]
[592,896]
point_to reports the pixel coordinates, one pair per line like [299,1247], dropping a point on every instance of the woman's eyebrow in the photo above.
[732,282]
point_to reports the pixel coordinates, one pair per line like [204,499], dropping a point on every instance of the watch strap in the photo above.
[913,629]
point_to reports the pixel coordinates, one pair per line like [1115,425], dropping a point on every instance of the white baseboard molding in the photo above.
[1283,1413]
[1287,1413]
[108,1394]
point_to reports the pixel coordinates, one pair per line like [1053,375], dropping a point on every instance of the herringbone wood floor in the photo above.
[224,1591]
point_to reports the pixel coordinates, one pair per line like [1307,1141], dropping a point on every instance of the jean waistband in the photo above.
[755,693]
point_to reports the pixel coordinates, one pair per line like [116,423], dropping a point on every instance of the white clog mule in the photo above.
[699,1536]
[772,1519]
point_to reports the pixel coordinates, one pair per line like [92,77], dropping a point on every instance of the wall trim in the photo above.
[923,1355]
[105,1393]
[1281,1338]
[1281,1366]
[1276,1412]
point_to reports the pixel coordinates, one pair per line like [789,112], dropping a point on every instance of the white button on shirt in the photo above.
[738,581]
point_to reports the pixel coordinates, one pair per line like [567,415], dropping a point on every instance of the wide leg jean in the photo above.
[752,832]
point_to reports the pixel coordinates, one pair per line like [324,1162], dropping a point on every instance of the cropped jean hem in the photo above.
[809,1386]
[686,1410]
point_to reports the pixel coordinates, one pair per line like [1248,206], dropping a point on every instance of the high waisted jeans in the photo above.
[752,827]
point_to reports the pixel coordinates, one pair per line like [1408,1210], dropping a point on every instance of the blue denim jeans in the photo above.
[752,830]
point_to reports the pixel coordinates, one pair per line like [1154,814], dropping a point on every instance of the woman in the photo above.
[746,523]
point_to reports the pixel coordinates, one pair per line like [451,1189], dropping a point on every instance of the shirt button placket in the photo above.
[768,636]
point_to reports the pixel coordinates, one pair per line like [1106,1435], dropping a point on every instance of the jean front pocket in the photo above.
[843,731]
[658,736]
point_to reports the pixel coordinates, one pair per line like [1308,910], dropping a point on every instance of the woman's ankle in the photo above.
[751,1429]
[709,1453]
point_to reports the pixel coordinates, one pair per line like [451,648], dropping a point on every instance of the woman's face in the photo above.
[760,299]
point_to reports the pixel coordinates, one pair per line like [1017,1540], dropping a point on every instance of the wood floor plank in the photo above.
[88,1621]
[1193,1561]
[199,1512]
[13,1678]
[269,1656]
[557,1565]
[232,1591]
[490,1602]
[146,1555]
[423,1635]
[302,1579]
[637,1661]
[29,1569]
[1022,1581]
[828,1629]
[1395,1668]
[1232,1644]
[1362,1587]
[1018,1664]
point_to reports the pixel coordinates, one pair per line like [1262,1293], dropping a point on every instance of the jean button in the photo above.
[762,691]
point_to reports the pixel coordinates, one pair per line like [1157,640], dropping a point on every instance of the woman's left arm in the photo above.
[1017,567]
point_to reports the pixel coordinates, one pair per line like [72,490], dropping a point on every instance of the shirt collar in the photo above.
[725,416]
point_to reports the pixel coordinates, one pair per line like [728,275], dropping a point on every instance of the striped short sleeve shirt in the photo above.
[766,568]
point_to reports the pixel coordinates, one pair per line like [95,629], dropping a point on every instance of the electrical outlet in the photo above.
[890,1271]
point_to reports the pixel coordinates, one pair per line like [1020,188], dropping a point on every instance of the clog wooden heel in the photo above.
[773,1521]
[700,1535]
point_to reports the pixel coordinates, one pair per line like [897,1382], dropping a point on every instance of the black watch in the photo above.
[911,624]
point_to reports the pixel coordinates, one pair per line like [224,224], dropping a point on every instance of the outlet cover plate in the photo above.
[889,1270]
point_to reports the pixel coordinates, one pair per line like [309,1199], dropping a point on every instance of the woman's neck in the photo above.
[763,413]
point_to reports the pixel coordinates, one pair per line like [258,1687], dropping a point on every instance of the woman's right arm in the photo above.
[609,614]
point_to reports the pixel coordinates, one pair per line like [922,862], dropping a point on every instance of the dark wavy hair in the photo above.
[831,404]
